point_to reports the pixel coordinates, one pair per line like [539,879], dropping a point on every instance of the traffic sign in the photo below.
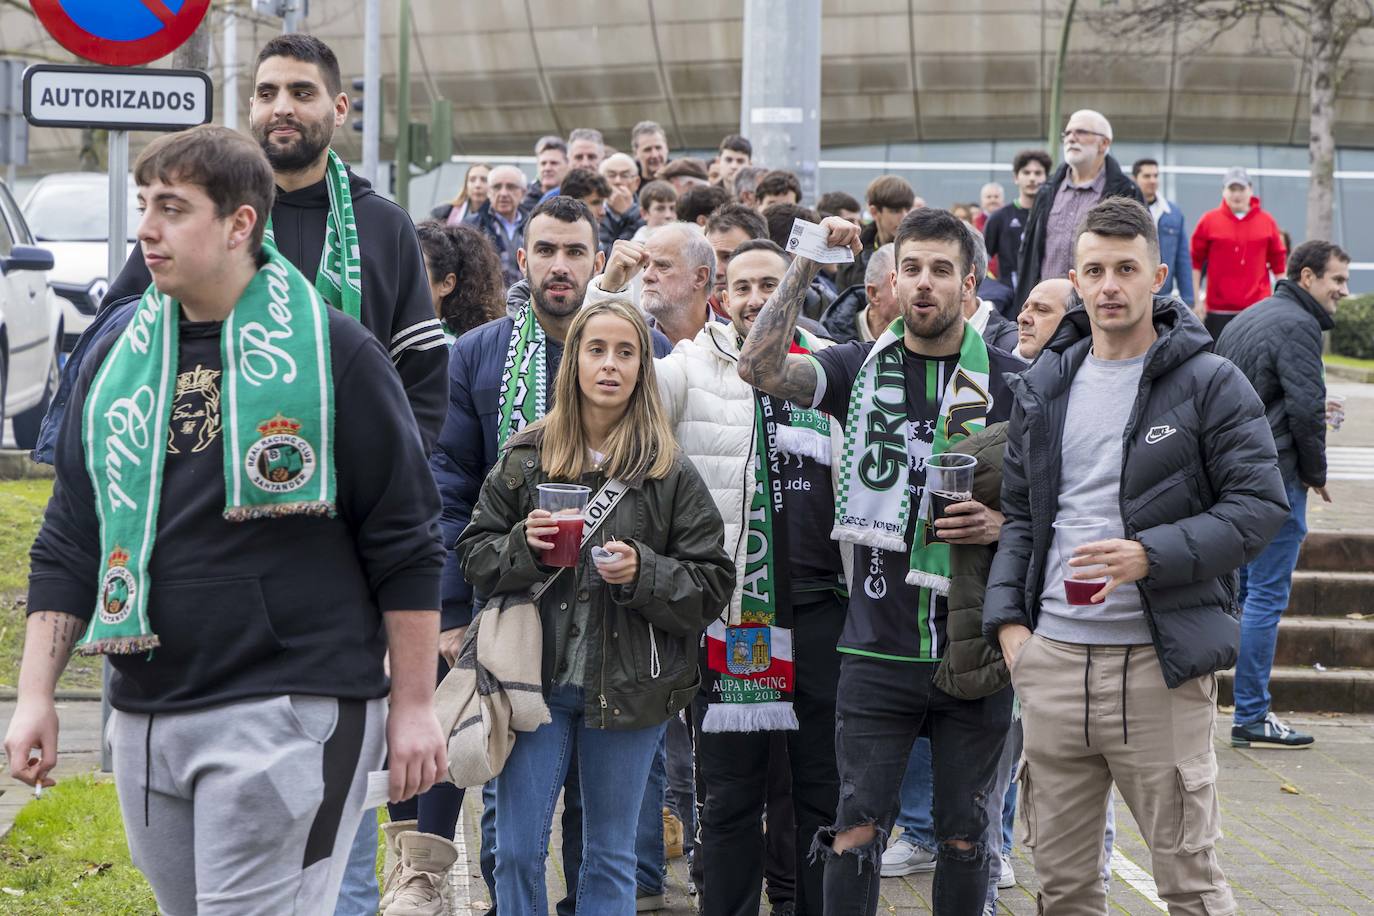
[120,33]
[116,98]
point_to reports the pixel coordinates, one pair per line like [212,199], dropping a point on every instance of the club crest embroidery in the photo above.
[748,650]
[118,589]
[280,461]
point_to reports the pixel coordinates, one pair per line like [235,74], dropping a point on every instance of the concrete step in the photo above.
[1297,689]
[1337,551]
[1331,594]
[1331,641]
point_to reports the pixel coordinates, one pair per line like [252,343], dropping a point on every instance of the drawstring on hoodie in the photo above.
[654,668]
[147,768]
[1087,671]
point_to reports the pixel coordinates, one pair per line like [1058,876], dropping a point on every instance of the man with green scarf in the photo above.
[242,557]
[928,382]
[356,247]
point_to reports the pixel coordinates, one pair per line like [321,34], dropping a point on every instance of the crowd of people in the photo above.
[741,555]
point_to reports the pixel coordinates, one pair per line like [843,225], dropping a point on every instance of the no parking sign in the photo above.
[121,33]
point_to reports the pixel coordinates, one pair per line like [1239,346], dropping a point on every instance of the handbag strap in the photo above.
[600,506]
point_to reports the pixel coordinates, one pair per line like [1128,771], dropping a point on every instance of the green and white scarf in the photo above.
[874,499]
[278,442]
[522,402]
[340,276]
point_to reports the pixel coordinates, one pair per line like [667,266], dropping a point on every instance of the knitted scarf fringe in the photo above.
[280,510]
[867,538]
[120,645]
[937,584]
[749,717]
[803,442]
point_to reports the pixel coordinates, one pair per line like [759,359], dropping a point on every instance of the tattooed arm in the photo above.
[48,641]
[764,360]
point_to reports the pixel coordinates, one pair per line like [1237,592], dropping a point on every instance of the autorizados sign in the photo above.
[116,98]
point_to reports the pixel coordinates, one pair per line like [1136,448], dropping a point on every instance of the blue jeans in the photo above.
[613,765]
[918,827]
[651,858]
[359,895]
[1265,584]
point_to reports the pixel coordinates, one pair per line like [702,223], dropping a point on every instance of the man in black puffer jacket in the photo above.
[1277,343]
[1126,430]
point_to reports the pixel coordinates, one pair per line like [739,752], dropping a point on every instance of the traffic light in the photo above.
[357,102]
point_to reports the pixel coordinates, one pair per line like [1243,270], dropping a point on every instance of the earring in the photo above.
[233,243]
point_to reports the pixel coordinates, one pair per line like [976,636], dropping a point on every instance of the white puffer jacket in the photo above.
[712,411]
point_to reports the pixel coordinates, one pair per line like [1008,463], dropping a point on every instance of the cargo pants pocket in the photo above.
[1200,810]
[1025,798]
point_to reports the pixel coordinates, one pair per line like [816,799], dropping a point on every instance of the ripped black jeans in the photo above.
[881,707]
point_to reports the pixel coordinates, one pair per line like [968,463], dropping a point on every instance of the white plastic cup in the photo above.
[1070,534]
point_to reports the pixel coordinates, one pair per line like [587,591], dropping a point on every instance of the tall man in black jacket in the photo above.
[261,518]
[1277,343]
[297,103]
[1126,418]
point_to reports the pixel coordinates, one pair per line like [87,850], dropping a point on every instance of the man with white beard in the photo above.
[1087,176]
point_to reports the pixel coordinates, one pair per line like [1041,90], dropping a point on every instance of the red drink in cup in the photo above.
[1069,535]
[567,502]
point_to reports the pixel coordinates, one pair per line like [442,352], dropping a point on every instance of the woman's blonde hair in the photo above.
[462,197]
[640,445]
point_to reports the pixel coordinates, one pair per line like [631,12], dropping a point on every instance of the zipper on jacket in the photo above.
[1132,425]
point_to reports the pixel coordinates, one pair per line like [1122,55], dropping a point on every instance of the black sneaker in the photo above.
[1270,733]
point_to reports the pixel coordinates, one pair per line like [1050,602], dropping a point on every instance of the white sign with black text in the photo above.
[116,98]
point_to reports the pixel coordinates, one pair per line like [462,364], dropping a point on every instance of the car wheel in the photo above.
[27,424]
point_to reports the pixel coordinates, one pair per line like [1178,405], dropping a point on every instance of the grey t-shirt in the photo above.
[1100,402]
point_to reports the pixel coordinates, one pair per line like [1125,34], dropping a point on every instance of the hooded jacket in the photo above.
[396,304]
[1200,488]
[1034,235]
[1277,343]
[1237,255]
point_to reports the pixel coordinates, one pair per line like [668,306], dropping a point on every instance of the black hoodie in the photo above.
[396,306]
[265,607]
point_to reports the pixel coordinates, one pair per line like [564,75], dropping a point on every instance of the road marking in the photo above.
[1137,878]
[1348,462]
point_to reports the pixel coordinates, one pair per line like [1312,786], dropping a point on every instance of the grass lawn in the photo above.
[66,854]
[21,511]
[1350,361]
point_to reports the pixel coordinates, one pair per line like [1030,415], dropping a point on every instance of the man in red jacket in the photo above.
[1238,246]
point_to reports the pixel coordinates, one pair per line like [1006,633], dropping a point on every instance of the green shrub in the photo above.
[1354,332]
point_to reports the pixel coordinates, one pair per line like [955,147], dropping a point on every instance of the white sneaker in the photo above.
[903,858]
[1006,877]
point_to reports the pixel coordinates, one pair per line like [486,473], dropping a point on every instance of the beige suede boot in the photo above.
[422,880]
[391,860]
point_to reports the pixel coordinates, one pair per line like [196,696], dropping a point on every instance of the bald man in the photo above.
[1044,308]
[1088,175]
[499,218]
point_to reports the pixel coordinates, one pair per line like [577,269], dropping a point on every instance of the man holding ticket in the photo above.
[926,383]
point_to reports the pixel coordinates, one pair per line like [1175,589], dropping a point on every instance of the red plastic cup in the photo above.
[1069,535]
[567,503]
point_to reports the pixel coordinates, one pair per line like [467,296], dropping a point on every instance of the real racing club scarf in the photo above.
[340,276]
[278,444]
[750,671]
[523,378]
[880,448]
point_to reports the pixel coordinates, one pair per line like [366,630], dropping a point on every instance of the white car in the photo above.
[69,215]
[30,326]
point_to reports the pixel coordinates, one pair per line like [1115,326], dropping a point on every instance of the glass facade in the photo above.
[948,173]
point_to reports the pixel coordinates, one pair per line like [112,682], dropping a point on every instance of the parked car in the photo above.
[69,215]
[30,325]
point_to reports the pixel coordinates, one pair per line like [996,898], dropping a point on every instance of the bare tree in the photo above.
[1318,31]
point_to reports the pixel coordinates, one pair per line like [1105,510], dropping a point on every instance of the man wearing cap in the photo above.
[1237,247]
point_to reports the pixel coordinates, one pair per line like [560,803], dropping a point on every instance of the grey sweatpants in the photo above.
[247,807]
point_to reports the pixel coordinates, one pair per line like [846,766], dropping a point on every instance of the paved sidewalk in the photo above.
[1310,852]
[1350,457]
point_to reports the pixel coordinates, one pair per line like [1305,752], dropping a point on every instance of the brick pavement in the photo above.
[1312,852]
